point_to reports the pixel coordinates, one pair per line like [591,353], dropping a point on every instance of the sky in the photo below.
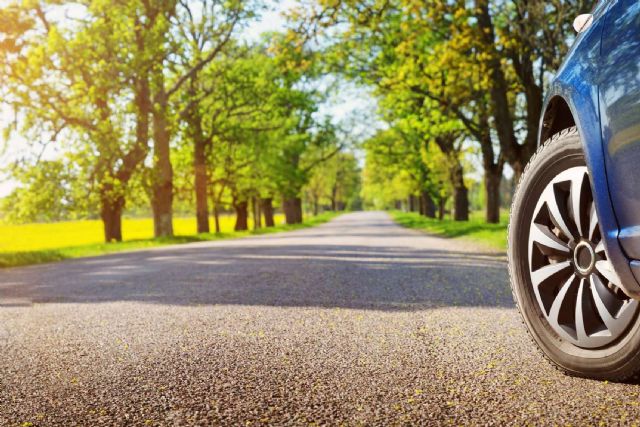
[352,106]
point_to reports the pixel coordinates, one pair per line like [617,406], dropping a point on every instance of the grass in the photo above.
[493,235]
[46,242]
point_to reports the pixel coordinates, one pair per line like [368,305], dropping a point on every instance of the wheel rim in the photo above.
[575,284]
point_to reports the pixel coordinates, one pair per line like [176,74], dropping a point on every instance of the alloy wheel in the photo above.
[576,287]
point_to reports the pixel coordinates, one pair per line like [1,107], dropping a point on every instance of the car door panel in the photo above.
[619,91]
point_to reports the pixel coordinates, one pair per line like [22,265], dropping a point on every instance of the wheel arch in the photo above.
[556,118]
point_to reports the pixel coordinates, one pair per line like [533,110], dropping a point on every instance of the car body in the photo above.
[574,233]
[597,89]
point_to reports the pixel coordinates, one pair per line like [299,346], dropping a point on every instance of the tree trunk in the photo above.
[257,220]
[421,205]
[111,214]
[315,206]
[441,208]
[429,208]
[287,207]
[412,203]
[200,171]
[267,211]
[241,215]
[518,169]
[298,210]
[517,155]
[216,217]
[292,210]
[460,204]
[111,205]
[492,196]
[334,198]
[492,167]
[460,194]
[163,172]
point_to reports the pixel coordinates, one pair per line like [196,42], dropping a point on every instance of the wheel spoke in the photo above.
[543,273]
[599,247]
[614,322]
[557,302]
[548,242]
[557,217]
[579,317]
[593,221]
[606,269]
[603,311]
[627,311]
[576,200]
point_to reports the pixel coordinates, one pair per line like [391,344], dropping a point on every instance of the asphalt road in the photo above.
[357,321]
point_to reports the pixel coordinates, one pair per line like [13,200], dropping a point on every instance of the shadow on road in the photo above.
[296,275]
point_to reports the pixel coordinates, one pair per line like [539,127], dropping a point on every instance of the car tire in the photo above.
[569,301]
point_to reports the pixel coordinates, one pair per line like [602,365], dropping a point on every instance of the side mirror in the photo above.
[582,22]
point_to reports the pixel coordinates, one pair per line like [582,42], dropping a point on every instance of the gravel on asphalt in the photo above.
[357,321]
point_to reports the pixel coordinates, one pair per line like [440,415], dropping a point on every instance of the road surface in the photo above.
[357,321]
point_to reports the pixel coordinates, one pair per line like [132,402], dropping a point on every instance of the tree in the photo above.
[231,95]
[404,158]
[462,56]
[75,81]
[111,80]
[442,68]
[373,51]
[51,190]
[305,140]
[201,37]
[336,182]
[522,43]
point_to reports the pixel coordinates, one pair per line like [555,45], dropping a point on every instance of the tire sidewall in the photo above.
[614,361]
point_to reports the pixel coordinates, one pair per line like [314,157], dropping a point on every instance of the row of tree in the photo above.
[452,77]
[162,102]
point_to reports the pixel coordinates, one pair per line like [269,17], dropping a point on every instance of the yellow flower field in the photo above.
[68,234]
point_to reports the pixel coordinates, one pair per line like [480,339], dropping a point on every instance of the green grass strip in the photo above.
[492,235]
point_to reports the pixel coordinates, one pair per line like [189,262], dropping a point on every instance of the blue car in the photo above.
[574,235]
